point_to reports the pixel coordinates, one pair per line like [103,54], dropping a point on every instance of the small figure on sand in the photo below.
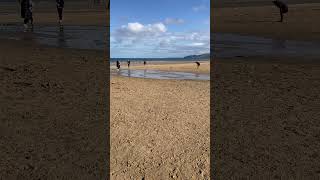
[198,64]
[26,13]
[144,62]
[128,63]
[118,65]
[283,8]
[60,5]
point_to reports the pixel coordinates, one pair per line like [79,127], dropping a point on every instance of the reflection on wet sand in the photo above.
[227,45]
[61,38]
[157,74]
[78,37]
[278,44]
[197,75]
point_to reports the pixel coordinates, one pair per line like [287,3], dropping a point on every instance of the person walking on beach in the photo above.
[60,6]
[283,8]
[144,62]
[198,64]
[118,65]
[26,12]
[128,63]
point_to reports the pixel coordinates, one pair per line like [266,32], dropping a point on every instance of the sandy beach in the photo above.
[53,109]
[265,119]
[52,112]
[159,128]
[265,109]
[72,17]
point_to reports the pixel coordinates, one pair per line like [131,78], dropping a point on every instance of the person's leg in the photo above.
[25,23]
[59,14]
[60,10]
[31,20]
[26,20]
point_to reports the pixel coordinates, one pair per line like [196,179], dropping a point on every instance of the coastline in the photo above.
[178,66]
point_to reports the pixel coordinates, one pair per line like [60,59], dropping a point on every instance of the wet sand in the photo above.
[77,37]
[299,23]
[159,129]
[74,14]
[235,45]
[70,18]
[53,112]
[158,74]
[265,119]
[173,66]
[179,66]
[266,108]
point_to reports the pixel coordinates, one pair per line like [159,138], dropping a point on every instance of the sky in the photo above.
[159,29]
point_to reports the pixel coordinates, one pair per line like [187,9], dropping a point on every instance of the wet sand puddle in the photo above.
[233,45]
[157,74]
[78,37]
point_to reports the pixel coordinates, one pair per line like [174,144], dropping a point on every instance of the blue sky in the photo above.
[159,29]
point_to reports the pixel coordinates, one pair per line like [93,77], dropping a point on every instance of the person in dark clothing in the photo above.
[198,64]
[128,63]
[26,12]
[23,8]
[283,8]
[118,65]
[144,62]
[60,6]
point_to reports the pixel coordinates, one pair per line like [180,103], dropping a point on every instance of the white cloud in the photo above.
[173,21]
[155,39]
[197,44]
[134,27]
[138,28]
[158,27]
[199,8]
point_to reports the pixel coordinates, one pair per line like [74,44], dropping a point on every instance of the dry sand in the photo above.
[52,118]
[265,110]
[159,129]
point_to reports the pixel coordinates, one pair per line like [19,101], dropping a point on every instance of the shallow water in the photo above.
[156,74]
[78,37]
[232,45]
